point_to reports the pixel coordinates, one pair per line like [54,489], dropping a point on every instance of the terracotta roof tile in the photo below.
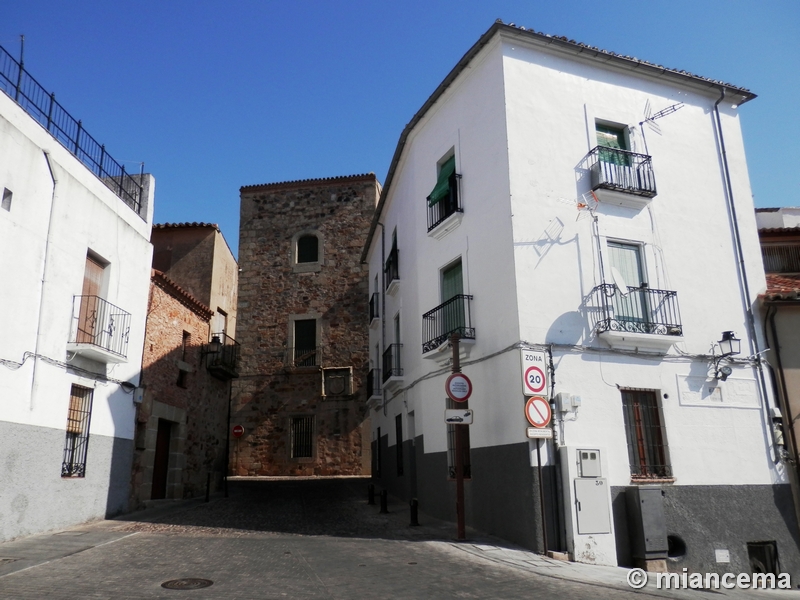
[782,287]
[182,225]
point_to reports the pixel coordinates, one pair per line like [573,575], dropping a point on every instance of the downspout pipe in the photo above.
[40,319]
[383,316]
[753,340]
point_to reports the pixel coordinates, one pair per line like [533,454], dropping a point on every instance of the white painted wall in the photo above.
[522,120]
[59,211]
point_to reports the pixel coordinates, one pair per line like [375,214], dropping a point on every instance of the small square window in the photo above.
[6,204]
[308,249]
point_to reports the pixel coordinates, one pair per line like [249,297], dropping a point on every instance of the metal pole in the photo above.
[541,493]
[459,452]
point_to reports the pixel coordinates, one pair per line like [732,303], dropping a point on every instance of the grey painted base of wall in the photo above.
[724,517]
[35,498]
[502,499]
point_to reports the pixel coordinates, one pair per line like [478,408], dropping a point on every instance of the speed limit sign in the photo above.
[534,373]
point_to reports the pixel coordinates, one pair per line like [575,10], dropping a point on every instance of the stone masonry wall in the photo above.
[270,392]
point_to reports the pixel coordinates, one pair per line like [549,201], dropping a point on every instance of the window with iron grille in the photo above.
[398,428]
[305,342]
[451,444]
[77,440]
[647,440]
[302,437]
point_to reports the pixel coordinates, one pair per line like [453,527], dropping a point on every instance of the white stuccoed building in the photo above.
[75,268]
[593,210]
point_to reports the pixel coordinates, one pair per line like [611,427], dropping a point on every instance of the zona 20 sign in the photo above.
[534,373]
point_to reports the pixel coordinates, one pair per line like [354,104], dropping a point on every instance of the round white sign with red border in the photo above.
[458,387]
[537,411]
[535,379]
[238,431]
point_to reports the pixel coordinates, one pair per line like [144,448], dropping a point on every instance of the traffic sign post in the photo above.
[534,373]
[458,416]
[537,411]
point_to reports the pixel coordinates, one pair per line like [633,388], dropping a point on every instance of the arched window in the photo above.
[308,249]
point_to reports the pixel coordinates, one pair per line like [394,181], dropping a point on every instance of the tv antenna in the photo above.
[651,119]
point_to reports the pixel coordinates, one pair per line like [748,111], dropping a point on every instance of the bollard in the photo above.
[414,512]
[208,487]
[371,494]
[384,500]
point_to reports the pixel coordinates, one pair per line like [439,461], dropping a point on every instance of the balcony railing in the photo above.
[373,383]
[222,356]
[639,310]
[392,367]
[622,171]
[781,258]
[42,106]
[449,317]
[391,269]
[303,357]
[447,206]
[100,324]
[374,306]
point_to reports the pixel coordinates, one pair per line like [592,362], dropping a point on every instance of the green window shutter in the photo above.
[452,282]
[442,187]
[610,137]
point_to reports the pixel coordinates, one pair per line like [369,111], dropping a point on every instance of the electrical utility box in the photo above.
[589,463]
[591,503]
[647,525]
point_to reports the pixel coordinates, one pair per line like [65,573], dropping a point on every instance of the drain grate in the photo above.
[187,583]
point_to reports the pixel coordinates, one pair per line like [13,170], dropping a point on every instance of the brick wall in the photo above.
[198,412]
[270,393]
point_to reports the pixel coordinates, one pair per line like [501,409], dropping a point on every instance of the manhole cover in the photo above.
[188,583]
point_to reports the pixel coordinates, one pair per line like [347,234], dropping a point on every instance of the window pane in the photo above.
[302,442]
[77,436]
[305,342]
[645,434]
[308,249]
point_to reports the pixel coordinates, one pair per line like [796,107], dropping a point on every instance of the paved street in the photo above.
[293,539]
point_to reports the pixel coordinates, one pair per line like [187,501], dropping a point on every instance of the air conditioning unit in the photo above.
[337,381]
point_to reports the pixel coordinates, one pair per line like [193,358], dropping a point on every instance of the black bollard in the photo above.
[414,512]
[384,500]
[371,494]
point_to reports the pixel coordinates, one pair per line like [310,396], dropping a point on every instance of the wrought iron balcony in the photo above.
[623,172]
[449,317]
[639,310]
[374,306]
[392,367]
[373,383]
[391,268]
[99,329]
[447,206]
[222,356]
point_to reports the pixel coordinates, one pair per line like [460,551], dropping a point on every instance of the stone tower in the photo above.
[303,328]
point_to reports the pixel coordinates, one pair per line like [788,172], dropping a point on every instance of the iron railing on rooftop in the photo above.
[16,82]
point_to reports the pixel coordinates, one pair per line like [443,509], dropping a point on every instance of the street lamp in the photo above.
[729,345]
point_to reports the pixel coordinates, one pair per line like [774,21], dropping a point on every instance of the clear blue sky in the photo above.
[216,95]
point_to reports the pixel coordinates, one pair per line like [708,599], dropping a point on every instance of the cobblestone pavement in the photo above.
[293,539]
